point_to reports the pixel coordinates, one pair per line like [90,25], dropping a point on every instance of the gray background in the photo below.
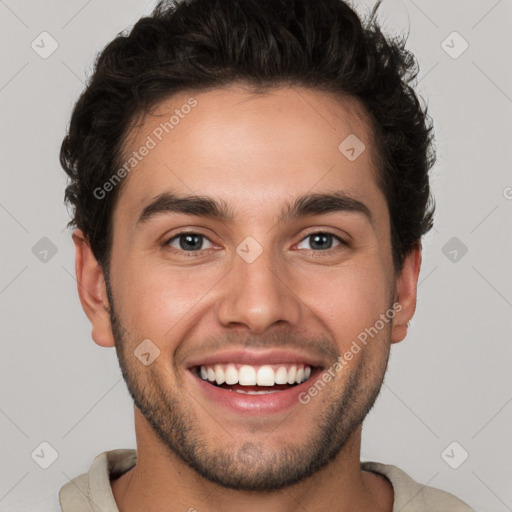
[448,381]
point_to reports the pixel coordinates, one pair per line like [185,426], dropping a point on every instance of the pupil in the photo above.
[190,239]
[317,240]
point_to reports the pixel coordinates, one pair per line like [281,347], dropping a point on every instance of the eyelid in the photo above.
[169,239]
[341,235]
[342,241]
[187,230]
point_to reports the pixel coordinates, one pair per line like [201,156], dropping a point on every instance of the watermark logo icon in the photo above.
[454,455]
[249,250]
[454,249]
[44,45]
[351,147]
[454,45]
[44,250]
[146,352]
[44,455]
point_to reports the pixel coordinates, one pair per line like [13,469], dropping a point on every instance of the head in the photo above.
[250,176]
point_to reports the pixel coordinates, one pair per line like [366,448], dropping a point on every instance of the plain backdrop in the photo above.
[447,394]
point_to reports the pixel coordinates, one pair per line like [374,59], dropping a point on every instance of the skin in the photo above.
[255,152]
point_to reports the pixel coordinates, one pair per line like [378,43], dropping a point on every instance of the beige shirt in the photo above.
[91,492]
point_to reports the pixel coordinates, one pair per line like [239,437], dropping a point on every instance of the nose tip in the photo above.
[256,296]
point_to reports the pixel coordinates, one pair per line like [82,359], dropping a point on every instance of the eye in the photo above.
[188,241]
[321,241]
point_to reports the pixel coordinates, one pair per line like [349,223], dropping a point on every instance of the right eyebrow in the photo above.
[191,205]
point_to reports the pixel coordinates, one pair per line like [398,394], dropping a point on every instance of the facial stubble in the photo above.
[245,464]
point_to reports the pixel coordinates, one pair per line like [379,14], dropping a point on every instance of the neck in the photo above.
[161,478]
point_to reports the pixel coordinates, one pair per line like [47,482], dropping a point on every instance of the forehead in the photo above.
[250,150]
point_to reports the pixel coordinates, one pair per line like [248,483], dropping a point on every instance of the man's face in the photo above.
[256,290]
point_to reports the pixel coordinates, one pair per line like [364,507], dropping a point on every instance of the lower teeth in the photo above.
[254,392]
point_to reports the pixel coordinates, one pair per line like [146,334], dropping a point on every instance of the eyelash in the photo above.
[199,252]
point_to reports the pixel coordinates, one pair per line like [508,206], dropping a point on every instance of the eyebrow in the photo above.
[303,206]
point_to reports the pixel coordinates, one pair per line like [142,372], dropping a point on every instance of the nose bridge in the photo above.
[256,293]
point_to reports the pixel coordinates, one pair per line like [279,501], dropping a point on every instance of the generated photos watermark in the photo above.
[342,361]
[152,140]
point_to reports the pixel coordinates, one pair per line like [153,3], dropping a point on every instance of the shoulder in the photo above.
[92,489]
[411,496]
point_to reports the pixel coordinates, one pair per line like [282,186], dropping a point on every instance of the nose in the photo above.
[257,295]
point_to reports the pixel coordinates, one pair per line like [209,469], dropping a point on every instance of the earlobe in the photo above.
[92,290]
[406,291]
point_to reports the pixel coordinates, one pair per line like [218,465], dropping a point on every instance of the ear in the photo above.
[92,291]
[406,288]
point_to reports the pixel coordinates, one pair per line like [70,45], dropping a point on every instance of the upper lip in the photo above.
[255,358]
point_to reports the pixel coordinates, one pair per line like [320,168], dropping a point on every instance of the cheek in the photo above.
[154,298]
[347,299]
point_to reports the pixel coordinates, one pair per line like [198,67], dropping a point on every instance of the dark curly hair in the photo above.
[204,44]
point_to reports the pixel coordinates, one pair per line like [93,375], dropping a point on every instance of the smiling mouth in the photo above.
[255,380]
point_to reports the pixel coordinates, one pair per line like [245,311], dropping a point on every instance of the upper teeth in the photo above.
[246,375]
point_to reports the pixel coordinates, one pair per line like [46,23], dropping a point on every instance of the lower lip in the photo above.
[267,403]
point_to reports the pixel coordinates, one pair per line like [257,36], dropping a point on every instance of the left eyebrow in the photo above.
[304,206]
[318,204]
